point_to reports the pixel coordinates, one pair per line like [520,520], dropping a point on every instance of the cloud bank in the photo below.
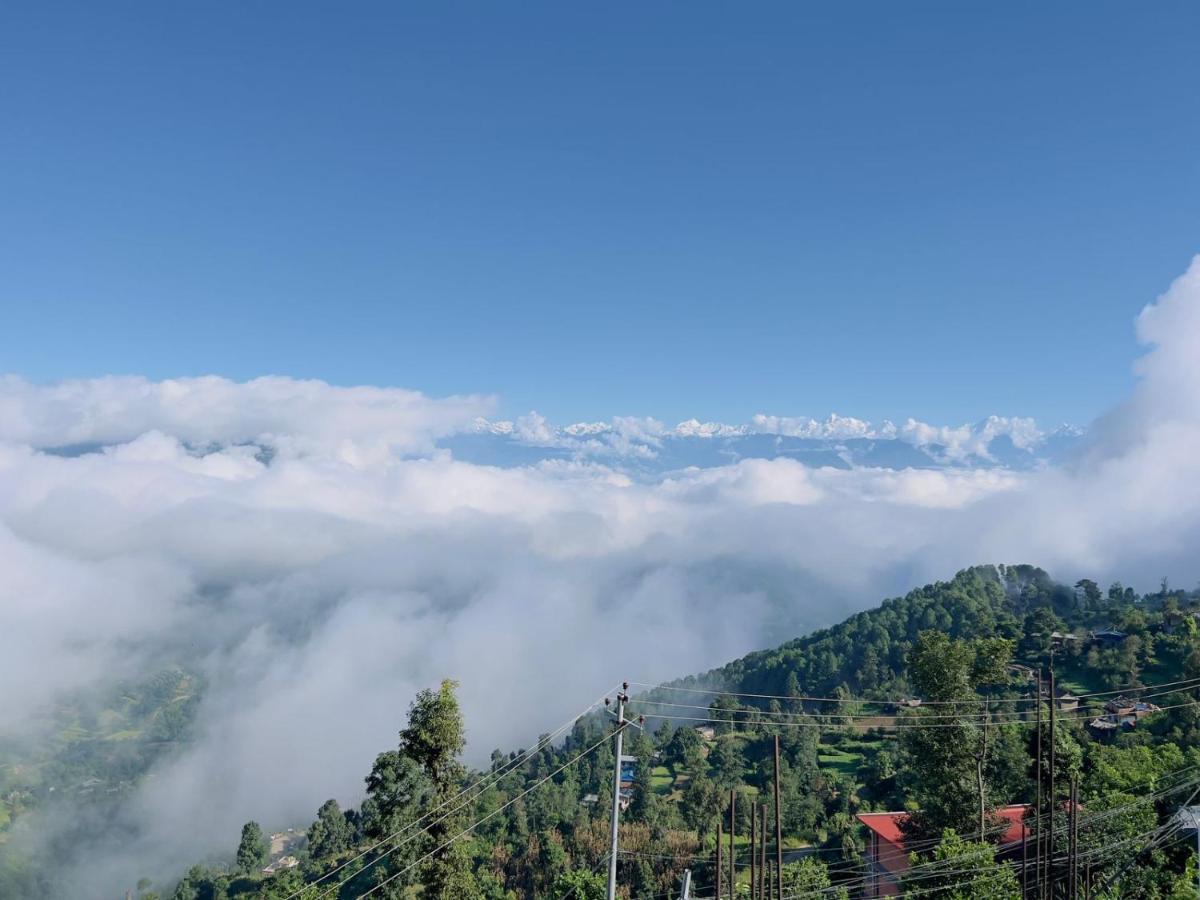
[314,553]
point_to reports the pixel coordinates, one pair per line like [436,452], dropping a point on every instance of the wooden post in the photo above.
[1037,818]
[1053,794]
[778,827]
[1024,861]
[717,879]
[732,851]
[753,855]
[764,878]
[1074,838]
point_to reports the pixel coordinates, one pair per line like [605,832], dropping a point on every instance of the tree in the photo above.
[810,876]
[396,788]
[289,885]
[701,803]
[1087,594]
[685,749]
[435,734]
[947,762]
[579,884]
[253,850]
[722,711]
[330,834]
[969,871]
[196,884]
[434,738]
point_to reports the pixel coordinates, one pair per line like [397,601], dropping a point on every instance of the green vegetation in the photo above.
[80,762]
[951,763]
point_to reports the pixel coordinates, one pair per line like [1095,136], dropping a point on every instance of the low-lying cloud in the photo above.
[310,550]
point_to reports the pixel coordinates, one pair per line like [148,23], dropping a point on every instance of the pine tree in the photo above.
[253,850]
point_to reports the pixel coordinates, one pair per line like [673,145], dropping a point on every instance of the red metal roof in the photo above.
[887,824]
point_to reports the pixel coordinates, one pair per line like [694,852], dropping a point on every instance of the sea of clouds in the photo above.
[313,552]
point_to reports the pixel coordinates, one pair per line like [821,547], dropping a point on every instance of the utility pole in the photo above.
[778,826]
[753,855]
[764,877]
[622,699]
[1037,818]
[686,893]
[1074,873]
[1024,860]
[1053,793]
[717,879]
[1189,816]
[732,852]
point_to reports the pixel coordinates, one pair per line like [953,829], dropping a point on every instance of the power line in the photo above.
[966,704]
[480,821]
[479,787]
[914,723]
[1192,682]
[945,868]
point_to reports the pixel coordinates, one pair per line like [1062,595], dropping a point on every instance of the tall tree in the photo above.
[948,760]
[330,834]
[434,738]
[253,850]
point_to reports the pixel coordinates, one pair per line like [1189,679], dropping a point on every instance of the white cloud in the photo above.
[835,427]
[292,416]
[319,590]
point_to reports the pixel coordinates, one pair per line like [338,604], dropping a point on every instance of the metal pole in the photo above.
[778,826]
[686,893]
[622,698]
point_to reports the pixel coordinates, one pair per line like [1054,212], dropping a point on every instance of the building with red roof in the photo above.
[887,859]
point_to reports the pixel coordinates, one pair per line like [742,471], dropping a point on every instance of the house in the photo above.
[285,862]
[887,858]
[590,799]
[1068,702]
[1104,728]
[1109,637]
[1141,709]
[707,732]
[1123,707]
[1062,638]
[1026,673]
[1172,619]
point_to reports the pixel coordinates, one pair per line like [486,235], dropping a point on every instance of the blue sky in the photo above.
[926,209]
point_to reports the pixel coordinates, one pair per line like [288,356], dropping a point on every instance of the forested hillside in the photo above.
[927,704]
[78,763]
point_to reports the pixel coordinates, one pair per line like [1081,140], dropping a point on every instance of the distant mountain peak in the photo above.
[647,447]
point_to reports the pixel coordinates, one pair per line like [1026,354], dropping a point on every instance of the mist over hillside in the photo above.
[317,554]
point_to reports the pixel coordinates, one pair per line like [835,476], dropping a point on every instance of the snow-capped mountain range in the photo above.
[649,447]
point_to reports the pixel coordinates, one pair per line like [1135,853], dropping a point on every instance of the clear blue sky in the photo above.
[884,209]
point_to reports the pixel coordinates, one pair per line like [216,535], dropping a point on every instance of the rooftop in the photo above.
[888,824]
